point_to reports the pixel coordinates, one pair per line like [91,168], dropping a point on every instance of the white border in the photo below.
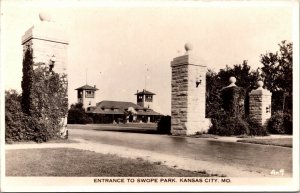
[92,3]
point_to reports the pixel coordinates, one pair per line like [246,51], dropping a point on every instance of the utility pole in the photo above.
[146,75]
[86,76]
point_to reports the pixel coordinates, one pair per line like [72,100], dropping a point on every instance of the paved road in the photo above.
[251,157]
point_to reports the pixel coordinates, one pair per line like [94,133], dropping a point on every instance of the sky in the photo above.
[114,43]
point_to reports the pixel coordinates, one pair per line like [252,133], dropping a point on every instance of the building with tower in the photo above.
[145,99]
[86,95]
[108,111]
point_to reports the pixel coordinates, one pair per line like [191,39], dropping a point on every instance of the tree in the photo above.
[77,115]
[277,72]
[27,80]
[246,78]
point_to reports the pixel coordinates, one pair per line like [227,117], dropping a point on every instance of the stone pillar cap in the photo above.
[232,81]
[260,90]
[45,16]
[260,84]
[188,48]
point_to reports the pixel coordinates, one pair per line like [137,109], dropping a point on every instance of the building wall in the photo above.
[87,101]
[144,103]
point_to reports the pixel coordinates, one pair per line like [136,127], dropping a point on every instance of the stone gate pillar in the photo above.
[260,104]
[49,44]
[233,98]
[188,94]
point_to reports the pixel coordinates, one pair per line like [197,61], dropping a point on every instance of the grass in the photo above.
[81,163]
[284,142]
[58,140]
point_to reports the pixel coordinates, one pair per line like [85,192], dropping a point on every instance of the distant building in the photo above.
[86,95]
[117,111]
[145,99]
[121,111]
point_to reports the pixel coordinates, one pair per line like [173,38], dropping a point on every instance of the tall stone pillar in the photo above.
[48,43]
[260,104]
[188,94]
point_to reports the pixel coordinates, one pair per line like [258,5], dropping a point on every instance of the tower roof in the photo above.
[145,92]
[87,87]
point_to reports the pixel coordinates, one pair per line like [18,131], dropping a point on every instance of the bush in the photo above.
[21,127]
[164,125]
[77,115]
[256,129]
[228,126]
[224,125]
[280,123]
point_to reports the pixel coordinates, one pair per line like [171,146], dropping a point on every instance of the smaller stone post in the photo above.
[260,104]
[233,99]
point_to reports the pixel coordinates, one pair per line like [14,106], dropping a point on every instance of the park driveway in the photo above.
[213,155]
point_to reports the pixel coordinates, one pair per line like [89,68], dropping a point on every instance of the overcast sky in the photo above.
[116,42]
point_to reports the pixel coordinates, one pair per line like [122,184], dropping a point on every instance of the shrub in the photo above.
[164,125]
[228,126]
[13,117]
[280,123]
[77,115]
[225,125]
[256,129]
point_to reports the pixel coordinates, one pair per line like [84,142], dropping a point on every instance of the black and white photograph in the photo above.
[104,96]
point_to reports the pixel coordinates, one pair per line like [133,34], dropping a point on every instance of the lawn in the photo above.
[284,142]
[73,162]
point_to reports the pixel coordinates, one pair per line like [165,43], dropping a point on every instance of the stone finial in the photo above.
[260,84]
[188,47]
[44,16]
[232,81]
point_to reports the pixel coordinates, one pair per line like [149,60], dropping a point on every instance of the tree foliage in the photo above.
[77,115]
[246,78]
[277,72]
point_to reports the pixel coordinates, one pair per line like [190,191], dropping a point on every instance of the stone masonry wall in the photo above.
[188,99]
[196,121]
[43,50]
[179,102]
[260,106]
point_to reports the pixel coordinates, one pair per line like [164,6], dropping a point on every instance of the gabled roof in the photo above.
[119,107]
[144,92]
[87,87]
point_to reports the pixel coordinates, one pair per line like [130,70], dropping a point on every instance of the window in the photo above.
[148,98]
[89,94]
[90,102]
[79,94]
[140,98]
